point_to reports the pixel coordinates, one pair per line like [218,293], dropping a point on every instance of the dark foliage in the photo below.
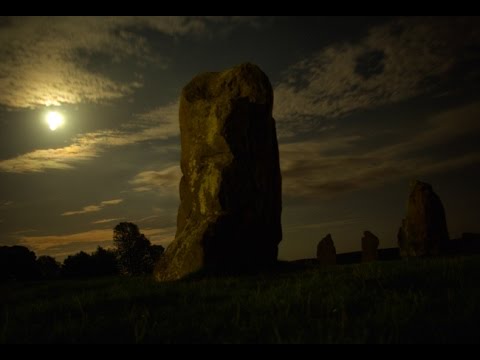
[104,262]
[78,265]
[100,263]
[49,267]
[18,263]
[135,254]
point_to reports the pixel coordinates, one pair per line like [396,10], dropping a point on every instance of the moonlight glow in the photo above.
[54,120]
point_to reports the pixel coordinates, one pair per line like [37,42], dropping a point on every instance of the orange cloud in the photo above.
[93,208]
[61,245]
[159,123]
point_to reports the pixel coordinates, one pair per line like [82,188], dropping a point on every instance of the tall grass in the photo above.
[436,300]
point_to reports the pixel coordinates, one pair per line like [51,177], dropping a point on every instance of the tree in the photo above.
[104,262]
[132,249]
[18,263]
[49,267]
[78,265]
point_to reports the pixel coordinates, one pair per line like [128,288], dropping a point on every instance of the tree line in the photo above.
[132,254]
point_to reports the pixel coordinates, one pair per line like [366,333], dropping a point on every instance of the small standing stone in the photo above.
[424,229]
[369,247]
[326,253]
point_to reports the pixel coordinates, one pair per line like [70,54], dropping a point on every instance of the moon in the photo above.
[54,120]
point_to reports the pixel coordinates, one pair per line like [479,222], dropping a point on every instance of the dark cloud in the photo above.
[47,60]
[370,64]
[313,169]
[394,62]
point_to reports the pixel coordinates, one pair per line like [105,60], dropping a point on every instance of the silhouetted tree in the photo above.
[49,267]
[132,249]
[78,265]
[104,262]
[18,263]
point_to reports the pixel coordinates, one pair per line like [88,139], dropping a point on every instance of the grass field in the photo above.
[435,300]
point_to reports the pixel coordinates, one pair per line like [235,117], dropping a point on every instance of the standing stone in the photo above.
[230,191]
[326,253]
[369,247]
[424,229]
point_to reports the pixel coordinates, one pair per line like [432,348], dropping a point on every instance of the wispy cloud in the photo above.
[47,60]
[62,158]
[44,243]
[164,181]
[105,221]
[394,62]
[61,245]
[162,236]
[111,202]
[93,208]
[159,123]
[147,218]
[313,169]
[21,232]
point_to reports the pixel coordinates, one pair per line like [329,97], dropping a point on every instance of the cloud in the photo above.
[45,242]
[316,169]
[394,62]
[147,218]
[52,60]
[157,124]
[162,236]
[164,181]
[93,208]
[111,202]
[24,231]
[61,158]
[104,221]
[62,245]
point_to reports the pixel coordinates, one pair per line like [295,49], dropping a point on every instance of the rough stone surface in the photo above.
[326,253]
[424,229]
[230,191]
[369,247]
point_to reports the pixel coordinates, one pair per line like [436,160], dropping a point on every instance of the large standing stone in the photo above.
[326,252]
[425,228]
[369,247]
[230,192]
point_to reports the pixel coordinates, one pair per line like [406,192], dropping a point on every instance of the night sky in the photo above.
[363,106]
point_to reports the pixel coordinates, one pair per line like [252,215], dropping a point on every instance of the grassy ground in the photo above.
[390,302]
